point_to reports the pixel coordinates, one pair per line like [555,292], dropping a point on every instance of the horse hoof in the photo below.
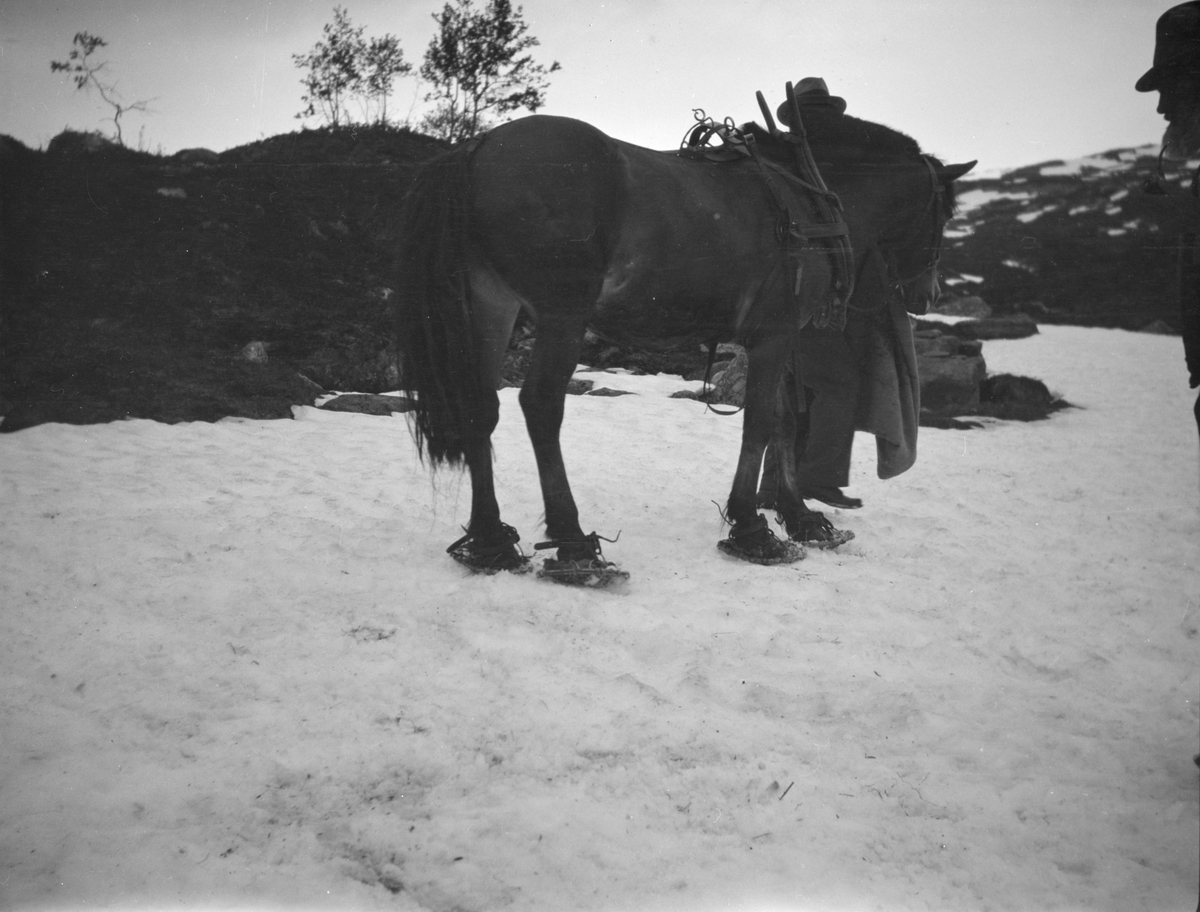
[836,539]
[501,554]
[595,573]
[756,543]
[579,563]
[814,530]
[786,552]
[491,564]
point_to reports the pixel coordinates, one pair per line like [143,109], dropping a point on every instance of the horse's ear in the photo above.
[950,173]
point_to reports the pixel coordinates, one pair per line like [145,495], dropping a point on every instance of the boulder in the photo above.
[1012,326]
[936,344]
[968,306]
[950,384]
[1159,328]
[254,352]
[608,391]
[729,386]
[1017,398]
[577,387]
[369,404]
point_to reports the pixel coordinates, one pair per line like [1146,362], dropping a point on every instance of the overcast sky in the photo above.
[1008,82]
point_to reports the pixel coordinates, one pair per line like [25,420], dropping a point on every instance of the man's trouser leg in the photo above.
[830,378]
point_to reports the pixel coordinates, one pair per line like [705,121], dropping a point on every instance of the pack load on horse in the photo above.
[582,231]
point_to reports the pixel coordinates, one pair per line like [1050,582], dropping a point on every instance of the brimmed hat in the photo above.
[1176,45]
[811,92]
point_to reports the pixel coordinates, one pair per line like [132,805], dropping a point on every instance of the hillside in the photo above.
[133,282]
[1072,242]
[150,275]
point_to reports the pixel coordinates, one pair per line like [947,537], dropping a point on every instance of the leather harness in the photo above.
[830,230]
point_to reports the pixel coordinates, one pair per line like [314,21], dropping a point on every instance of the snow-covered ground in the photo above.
[239,671]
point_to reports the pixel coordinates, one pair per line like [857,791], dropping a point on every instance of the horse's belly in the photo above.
[663,311]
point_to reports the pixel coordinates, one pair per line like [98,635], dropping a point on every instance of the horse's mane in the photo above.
[844,141]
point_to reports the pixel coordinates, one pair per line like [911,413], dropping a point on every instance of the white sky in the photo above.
[1008,83]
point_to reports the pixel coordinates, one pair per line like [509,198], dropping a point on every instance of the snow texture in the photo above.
[239,670]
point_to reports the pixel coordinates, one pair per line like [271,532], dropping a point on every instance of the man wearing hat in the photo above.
[826,371]
[838,385]
[813,96]
[1176,77]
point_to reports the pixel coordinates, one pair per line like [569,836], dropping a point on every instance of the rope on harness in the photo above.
[708,389]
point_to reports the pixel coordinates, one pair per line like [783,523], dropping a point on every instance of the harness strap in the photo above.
[792,236]
[831,228]
[830,209]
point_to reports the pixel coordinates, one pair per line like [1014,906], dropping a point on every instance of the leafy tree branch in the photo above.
[344,67]
[478,67]
[84,72]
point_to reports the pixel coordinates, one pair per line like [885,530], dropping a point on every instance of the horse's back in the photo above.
[658,247]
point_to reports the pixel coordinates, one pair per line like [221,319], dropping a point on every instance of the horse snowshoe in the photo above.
[754,541]
[814,530]
[580,563]
[491,556]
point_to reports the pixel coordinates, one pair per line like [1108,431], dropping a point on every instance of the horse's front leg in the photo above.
[780,487]
[751,537]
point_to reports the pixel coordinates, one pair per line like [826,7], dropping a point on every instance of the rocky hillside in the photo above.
[132,284]
[143,278]
[1072,242]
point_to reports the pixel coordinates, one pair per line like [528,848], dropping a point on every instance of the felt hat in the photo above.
[1176,46]
[811,92]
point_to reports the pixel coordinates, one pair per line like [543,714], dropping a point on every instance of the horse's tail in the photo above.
[439,362]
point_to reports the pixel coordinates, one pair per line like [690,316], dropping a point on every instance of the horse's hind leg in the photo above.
[489,544]
[555,353]
[579,560]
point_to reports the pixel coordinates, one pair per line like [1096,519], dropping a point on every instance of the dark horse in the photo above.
[579,229]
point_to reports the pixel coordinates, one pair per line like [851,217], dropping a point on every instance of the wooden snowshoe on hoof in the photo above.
[814,530]
[580,563]
[499,553]
[754,541]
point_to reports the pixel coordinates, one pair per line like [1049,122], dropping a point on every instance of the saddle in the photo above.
[737,144]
